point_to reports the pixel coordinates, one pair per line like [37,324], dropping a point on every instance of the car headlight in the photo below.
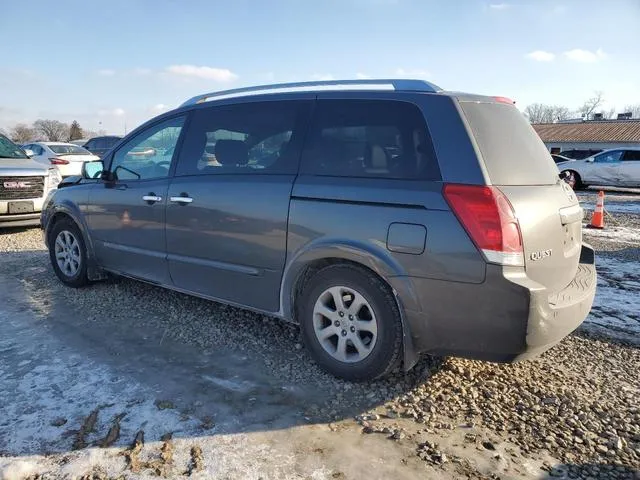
[54,178]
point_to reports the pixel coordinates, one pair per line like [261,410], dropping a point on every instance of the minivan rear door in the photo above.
[518,163]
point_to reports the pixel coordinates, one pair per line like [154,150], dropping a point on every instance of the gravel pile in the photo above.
[580,402]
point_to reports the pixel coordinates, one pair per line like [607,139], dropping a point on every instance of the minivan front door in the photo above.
[126,216]
[229,201]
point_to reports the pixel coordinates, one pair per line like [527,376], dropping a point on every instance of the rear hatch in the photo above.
[517,162]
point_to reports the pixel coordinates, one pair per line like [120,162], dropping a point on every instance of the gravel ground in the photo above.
[572,413]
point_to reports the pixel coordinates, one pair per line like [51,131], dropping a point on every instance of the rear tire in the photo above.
[350,323]
[68,253]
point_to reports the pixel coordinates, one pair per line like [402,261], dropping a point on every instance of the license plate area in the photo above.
[16,208]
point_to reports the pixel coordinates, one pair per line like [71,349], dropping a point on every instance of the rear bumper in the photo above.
[507,318]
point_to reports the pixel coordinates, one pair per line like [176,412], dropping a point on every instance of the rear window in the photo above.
[69,150]
[512,151]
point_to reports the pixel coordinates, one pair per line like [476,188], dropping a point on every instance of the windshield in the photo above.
[69,150]
[8,149]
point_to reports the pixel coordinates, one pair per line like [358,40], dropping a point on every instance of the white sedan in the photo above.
[619,167]
[66,156]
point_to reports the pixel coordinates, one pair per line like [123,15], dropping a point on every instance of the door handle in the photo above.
[182,199]
[151,198]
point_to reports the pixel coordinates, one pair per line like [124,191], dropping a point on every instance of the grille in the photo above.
[34,188]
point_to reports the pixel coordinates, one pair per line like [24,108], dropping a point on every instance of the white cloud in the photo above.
[499,6]
[106,72]
[585,56]
[115,112]
[541,56]
[207,73]
[412,73]
[362,76]
[322,77]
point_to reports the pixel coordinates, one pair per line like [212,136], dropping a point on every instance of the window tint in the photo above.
[109,142]
[609,157]
[369,138]
[631,155]
[248,138]
[149,153]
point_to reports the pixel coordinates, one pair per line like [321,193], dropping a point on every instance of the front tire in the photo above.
[68,253]
[350,323]
[573,179]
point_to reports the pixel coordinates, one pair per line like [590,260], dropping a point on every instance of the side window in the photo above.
[149,153]
[247,138]
[631,155]
[609,157]
[369,138]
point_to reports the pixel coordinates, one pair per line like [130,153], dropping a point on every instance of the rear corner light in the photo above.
[58,161]
[504,100]
[489,219]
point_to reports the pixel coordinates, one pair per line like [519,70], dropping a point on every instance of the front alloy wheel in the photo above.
[67,251]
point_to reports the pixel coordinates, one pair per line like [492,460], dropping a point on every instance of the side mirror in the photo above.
[92,169]
[30,153]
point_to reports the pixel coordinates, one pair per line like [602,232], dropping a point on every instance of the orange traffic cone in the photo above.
[597,219]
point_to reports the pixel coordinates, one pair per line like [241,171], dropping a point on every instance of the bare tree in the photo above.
[541,113]
[52,130]
[634,109]
[590,106]
[22,133]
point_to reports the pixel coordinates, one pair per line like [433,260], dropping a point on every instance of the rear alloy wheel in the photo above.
[350,323]
[68,254]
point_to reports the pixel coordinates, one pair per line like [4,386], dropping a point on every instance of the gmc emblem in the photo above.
[10,185]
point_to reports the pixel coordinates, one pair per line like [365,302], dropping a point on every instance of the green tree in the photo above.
[75,132]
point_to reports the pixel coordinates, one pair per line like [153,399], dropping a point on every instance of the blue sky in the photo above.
[108,63]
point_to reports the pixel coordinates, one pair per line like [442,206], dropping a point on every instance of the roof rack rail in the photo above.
[387,84]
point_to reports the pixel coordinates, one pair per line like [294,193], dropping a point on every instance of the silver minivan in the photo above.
[386,217]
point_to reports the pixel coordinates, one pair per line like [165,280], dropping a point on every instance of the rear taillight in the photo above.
[58,161]
[504,100]
[489,219]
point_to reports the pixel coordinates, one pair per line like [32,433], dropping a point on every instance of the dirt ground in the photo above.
[125,380]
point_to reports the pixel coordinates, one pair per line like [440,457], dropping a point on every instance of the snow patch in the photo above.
[626,235]
[616,308]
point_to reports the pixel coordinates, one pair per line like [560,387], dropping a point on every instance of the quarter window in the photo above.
[148,154]
[631,155]
[369,138]
[246,138]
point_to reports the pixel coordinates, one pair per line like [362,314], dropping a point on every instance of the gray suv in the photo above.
[386,217]
[24,186]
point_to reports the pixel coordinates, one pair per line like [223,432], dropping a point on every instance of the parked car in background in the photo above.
[618,167]
[560,158]
[80,142]
[67,157]
[101,145]
[386,217]
[24,185]
[579,154]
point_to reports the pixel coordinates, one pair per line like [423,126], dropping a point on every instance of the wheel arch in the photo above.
[70,211]
[376,261]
